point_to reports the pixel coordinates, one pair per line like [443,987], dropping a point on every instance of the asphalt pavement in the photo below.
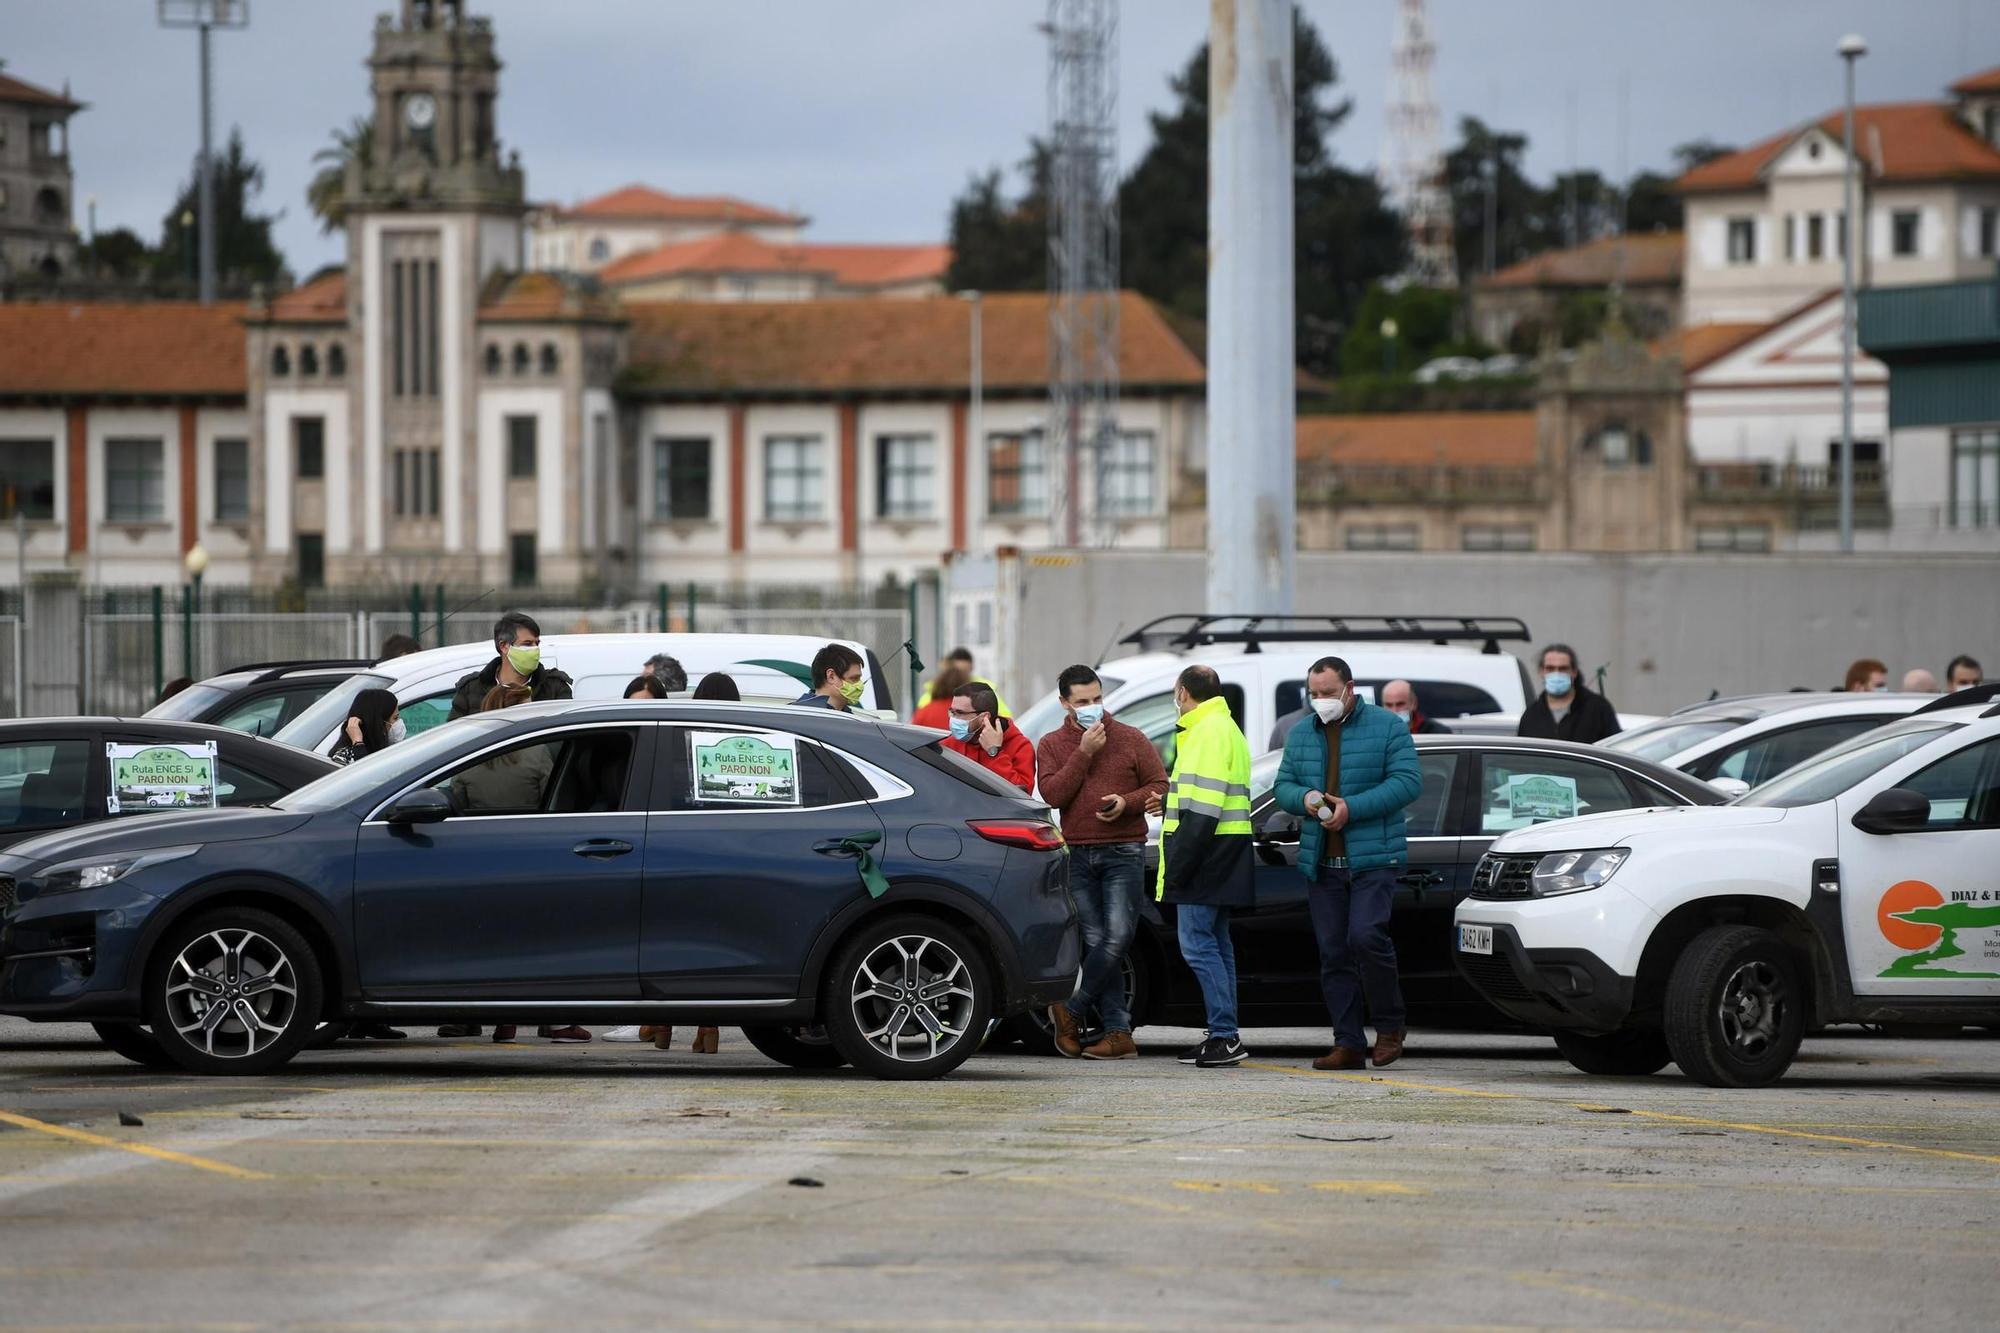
[435,1185]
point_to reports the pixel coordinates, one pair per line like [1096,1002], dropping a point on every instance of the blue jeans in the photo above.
[1350,915]
[1205,943]
[1104,881]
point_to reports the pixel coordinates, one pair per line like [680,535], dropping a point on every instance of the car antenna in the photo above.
[909,646]
[464,606]
[1107,644]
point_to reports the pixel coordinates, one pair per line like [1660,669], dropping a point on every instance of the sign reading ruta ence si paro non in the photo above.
[160,777]
[736,768]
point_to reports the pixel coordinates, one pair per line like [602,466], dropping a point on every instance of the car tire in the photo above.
[1037,1035]
[800,1046]
[235,949]
[1628,1052]
[329,1032]
[135,1044]
[895,986]
[1735,1009]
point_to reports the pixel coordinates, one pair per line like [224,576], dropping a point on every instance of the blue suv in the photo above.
[844,890]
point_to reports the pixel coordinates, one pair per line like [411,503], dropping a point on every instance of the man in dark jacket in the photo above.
[518,641]
[1566,711]
[1400,698]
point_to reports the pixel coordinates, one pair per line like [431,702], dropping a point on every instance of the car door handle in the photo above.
[836,847]
[602,848]
[1420,879]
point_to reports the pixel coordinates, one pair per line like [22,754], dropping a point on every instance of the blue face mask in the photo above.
[961,729]
[1557,683]
[1089,715]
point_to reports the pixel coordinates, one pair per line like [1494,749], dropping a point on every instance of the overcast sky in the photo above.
[868,115]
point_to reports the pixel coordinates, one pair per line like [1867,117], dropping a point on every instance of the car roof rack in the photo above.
[302,664]
[1972,694]
[1189,630]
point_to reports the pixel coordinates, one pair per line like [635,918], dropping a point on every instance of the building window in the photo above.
[135,481]
[1382,537]
[309,448]
[521,447]
[1742,240]
[1815,236]
[232,480]
[1753,537]
[308,360]
[1975,478]
[548,358]
[1617,447]
[520,358]
[1791,237]
[281,361]
[413,483]
[1903,233]
[1989,232]
[521,571]
[1497,537]
[680,478]
[904,477]
[600,250]
[336,361]
[1125,475]
[794,479]
[28,479]
[1867,462]
[493,359]
[312,560]
[1017,475]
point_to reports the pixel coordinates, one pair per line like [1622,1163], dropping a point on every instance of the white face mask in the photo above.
[1329,710]
[397,731]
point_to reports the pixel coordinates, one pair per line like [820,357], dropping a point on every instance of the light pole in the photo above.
[1852,48]
[203,16]
[977,353]
[1389,331]
[196,564]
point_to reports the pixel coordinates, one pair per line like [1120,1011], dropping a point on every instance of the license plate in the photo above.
[1475,939]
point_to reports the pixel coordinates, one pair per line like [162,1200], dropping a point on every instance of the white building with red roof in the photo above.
[584,237]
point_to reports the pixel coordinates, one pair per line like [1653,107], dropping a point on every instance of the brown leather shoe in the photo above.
[1388,1048]
[1067,1043]
[707,1041]
[1342,1057]
[1115,1046]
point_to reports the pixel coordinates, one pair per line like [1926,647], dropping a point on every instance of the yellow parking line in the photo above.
[144,1150]
[1822,1138]
[1358,1076]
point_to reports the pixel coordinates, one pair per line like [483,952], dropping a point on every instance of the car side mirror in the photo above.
[1730,787]
[425,805]
[1897,810]
[1279,831]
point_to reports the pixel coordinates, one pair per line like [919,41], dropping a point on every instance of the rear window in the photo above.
[190,704]
[1660,741]
[971,774]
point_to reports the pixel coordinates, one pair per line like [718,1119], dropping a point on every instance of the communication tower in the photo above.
[1415,178]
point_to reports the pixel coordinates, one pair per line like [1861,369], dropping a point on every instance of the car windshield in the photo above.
[1668,737]
[1834,772]
[1047,712]
[189,704]
[413,756]
[309,728]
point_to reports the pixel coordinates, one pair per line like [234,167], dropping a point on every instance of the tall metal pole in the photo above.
[207,190]
[1852,48]
[1252,540]
[976,455]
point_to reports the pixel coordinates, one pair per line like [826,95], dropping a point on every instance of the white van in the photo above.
[767,668]
[1263,659]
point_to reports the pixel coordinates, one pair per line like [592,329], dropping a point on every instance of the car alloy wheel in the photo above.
[231,992]
[1751,1009]
[912,998]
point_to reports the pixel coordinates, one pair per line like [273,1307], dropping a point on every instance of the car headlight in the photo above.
[94,872]
[1573,872]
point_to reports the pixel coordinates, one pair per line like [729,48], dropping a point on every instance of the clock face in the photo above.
[420,110]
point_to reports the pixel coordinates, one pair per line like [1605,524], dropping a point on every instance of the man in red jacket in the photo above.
[980,734]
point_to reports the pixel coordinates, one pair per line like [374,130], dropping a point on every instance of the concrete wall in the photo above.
[1668,629]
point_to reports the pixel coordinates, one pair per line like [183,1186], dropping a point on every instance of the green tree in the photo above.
[1000,244]
[1426,326]
[244,250]
[118,253]
[326,193]
[1489,159]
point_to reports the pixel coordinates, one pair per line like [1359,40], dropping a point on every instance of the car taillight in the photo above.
[1034,834]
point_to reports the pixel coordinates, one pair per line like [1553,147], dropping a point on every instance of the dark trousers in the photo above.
[1350,915]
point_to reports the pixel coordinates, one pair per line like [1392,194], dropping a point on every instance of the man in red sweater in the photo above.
[989,740]
[1099,773]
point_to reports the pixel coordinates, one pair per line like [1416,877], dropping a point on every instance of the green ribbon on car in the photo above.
[872,878]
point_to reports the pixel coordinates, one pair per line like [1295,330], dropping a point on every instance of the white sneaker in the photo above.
[622,1034]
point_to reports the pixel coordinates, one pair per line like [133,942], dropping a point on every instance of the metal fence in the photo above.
[13,689]
[127,656]
[377,626]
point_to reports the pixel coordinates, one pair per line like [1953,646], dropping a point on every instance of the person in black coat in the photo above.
[1565,710]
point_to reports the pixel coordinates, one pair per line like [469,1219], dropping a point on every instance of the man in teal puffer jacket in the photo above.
[1350,768]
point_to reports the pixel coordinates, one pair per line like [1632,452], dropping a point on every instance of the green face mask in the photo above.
[525,659]
[850,690]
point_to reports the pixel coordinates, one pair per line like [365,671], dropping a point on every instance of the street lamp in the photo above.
[977,354]
[1389,332]
[1852,48]
[196,564]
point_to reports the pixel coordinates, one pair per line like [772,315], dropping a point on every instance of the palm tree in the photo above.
[326,194]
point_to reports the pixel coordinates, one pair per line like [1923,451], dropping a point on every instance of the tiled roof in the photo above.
[20,92]
[1703,344]
[881,265]
[1986,81]
[1900,141]
[1419,439]
[1644,260]
[540,298]
[779,347]
[125,349]
[642,203]
[741,252]
[320,299]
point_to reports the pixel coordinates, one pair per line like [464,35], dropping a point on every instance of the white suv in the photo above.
[1741,744]
[1862,886]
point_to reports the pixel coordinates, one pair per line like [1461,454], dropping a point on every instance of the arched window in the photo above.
[308,360]
[548,358]
[493,358]
[600,250]
[1616,445]
[336,361]
[520,358]
[281,360]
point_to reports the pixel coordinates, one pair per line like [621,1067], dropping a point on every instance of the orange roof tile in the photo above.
[540,298]
[644,203]
[1986,81]
[1644,260]
[1704,344]
[1419,439]
[320,299]
[124,349]
[724,252]
[20,91]
[881,265]
[689,348]
[1899,141]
